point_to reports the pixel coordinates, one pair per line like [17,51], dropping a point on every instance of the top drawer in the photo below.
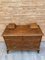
[13,38]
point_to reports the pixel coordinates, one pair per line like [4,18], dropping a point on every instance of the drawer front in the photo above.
[13,37]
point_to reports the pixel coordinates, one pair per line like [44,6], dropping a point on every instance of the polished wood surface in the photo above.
[23,37]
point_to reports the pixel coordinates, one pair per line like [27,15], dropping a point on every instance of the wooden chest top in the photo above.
[23,30]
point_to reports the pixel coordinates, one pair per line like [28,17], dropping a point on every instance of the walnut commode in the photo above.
[22,37]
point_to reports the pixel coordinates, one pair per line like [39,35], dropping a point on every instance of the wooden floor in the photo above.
[18,55]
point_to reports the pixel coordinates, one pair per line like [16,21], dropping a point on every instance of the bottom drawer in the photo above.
[19,47]
[15,47]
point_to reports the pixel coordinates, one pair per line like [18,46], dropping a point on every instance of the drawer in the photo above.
[13,37]
[32,38]
[20,47]
[14,47]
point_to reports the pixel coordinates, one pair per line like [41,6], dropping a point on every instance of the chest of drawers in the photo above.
[22,37]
